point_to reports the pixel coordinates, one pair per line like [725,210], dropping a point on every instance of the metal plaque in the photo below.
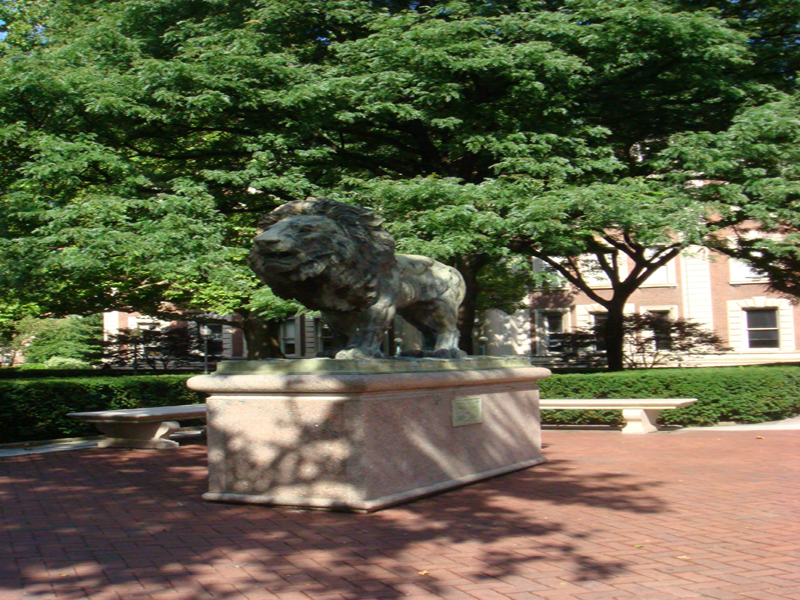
[466,411]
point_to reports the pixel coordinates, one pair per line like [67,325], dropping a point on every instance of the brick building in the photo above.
[230,338]
[722,294]
[301,337]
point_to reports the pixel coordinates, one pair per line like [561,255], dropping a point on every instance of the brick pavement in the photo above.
[663,516]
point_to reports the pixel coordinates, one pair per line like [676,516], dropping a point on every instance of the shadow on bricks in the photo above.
[129,524]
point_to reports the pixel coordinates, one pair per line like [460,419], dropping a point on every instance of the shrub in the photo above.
[63,362]
[36,409]
[29,367]
[34,371]
[72,337]
[652,339]
[740,394]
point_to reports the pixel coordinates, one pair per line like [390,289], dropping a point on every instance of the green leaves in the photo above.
[140,139]
[75,338]
[756,157]
[439,217]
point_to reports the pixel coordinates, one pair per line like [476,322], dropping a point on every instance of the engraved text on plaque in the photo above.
[466,411]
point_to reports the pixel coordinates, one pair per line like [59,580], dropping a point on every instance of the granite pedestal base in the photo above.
[362,436]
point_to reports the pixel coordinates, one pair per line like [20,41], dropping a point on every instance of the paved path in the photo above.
[793,423]
[20,449]
[696,514]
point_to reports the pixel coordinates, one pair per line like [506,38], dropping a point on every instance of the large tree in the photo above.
[682,138]
[140,140]
[751,169]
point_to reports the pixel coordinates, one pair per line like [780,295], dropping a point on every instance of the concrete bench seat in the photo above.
[140,427]
[640,414]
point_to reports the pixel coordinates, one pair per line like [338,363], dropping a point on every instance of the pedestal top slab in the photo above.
[309,376]
[329,366]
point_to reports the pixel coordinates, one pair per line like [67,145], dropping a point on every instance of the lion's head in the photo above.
[322,253]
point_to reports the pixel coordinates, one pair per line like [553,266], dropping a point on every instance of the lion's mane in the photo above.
[339,264]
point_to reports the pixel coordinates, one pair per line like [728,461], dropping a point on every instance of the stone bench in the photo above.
[640,414]
[140,427]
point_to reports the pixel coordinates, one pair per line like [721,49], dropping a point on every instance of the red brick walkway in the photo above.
[669,515]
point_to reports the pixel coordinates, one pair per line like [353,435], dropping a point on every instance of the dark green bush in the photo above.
[740,394]
[36,409]
[37,371]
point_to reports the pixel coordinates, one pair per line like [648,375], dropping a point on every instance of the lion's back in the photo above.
[423,278]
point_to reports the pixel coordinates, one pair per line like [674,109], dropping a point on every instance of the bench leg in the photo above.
[138,435]
[639,420]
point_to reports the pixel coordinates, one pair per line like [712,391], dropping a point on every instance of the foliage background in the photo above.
[140,140]
[77,338]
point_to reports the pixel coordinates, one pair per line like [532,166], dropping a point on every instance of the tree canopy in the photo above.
[70,342]
[139,140]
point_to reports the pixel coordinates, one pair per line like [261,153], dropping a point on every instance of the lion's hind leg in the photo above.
[437,322]
[447,345]
[445,316]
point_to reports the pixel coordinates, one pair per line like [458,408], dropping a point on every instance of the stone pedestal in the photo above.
[364,435]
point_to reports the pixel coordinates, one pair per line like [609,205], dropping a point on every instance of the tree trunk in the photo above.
[469,267]
[614,336]
[263,337]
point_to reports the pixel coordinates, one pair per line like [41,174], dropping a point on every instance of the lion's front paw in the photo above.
[358,354]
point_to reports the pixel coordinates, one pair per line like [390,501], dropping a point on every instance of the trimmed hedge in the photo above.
[24,372]
[740,394]
[36,409]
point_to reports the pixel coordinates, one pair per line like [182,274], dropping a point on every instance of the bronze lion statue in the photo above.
[336,258]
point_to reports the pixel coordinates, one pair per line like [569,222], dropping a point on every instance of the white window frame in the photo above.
[539,266]
[594,276]
[665,276]
[777,328]
[742,273]
[542,330]
[737,324]
[215,335]
[145,322]
[589,269]
[670,309]
[584,313]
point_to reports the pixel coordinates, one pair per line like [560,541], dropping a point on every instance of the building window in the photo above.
[215,343]
[743,272]
[289,338]
[598,324]
[762,328]
[661,329]
[556,279]
[594,275]
[663,276]
[551,325]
